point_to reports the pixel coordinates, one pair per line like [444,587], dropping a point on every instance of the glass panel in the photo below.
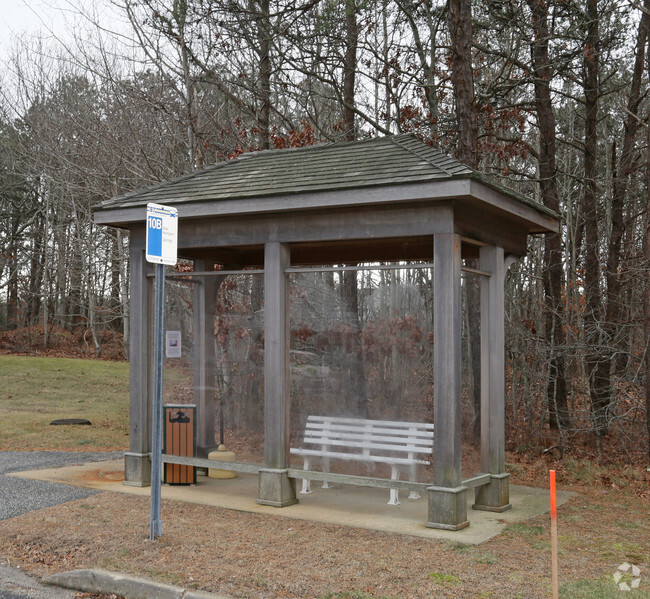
[234,360]
[361,348]
[239,347]
[178,386]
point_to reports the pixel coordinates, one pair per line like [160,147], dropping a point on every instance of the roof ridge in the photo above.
[255,153]
[398,141]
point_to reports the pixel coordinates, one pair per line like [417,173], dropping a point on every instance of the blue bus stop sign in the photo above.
[162,234]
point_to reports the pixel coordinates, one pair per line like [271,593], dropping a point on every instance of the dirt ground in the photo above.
[255,556]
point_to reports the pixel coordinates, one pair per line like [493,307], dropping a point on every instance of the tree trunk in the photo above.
[462,79]
[350,69]
[556,390]
[621,176]
[92,318]
[37,264]
[357,381]
[264,42]
[646,299]
[350,286]
[256,353]
[12,286]
[115,295]
[473,308]
[124,294]
[646,295]
[427,57]
[597,359]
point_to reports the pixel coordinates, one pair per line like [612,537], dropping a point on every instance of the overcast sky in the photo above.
[24,17]
[20,18]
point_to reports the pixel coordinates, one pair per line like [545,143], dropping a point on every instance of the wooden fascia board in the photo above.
[318,226]
[462,189]
[538,220]
[364,232]
[381,195]
[492,229]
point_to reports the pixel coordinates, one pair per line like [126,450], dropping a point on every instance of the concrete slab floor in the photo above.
[346,505]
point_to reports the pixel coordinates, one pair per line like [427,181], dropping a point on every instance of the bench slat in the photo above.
[369,445]
[357,431]
[356,434]
[379,423]
[358,457]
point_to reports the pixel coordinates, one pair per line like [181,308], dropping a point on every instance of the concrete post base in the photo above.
[495,496]
[276,488]
[223,455]
[137,469]
[447,508]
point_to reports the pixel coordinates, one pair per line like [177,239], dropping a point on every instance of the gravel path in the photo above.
[19,495]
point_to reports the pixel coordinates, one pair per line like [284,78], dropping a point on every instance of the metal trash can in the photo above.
[179,439]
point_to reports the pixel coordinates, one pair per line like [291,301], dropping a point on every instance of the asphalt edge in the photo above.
[101,581]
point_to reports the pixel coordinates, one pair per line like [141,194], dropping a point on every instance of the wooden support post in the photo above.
[447,498]
[137,461]
[495,496]
[275,488]
[204,292]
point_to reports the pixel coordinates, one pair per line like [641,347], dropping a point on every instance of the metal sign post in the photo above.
[162,241]
[156,433]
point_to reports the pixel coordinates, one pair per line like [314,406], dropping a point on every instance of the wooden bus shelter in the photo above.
[386,199]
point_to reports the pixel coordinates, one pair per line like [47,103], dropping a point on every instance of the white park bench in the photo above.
[401,445]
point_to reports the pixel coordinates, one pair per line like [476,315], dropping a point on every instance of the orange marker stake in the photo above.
[554,536]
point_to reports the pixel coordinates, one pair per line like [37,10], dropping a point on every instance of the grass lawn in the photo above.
[36,390]
[265,556]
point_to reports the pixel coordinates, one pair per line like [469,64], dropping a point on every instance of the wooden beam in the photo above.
[495,496]
[447,359]
[305,201]
[344,479]
[537,217]
[534,218]
[363,223]
[276,356]
[205,463]
[136,460]
[492,361]
[492,228]
[363,481]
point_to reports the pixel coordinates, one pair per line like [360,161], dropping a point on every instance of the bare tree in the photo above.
[553,251]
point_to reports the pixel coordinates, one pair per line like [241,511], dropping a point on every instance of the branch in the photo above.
[639,7]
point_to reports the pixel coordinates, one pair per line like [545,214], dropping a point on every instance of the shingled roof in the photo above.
[390,160]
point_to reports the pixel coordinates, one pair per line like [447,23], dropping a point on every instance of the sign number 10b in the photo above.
[162,234]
